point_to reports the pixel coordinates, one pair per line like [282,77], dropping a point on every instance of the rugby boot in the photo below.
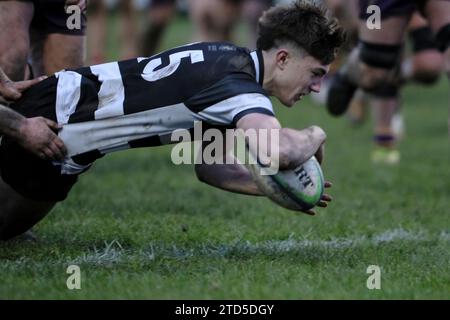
[340,94]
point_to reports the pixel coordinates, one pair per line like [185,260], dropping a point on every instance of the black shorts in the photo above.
[390,8]
[26,173]
[31,176]
[51,17]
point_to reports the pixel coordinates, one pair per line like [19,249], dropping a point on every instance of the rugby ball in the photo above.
[298,189]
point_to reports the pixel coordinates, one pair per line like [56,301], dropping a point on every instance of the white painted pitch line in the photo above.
[114,253]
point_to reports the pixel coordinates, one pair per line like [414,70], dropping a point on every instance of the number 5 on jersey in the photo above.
[150,74]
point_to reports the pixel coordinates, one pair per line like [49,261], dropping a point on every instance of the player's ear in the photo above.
[282,58]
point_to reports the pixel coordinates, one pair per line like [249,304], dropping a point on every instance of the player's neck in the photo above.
[269,72]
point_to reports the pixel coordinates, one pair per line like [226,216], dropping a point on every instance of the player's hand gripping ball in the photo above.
[299,189]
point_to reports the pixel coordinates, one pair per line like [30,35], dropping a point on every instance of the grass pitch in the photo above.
[141,228]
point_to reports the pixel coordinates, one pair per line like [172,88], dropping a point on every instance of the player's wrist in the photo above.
[11,123]
[20,129]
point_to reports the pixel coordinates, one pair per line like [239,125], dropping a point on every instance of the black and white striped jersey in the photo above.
[140,102]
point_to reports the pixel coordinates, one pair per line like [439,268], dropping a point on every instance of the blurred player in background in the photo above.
[99,16]
[214,20]
[252,10]
[424,65]
[160,14]
[346,11]
[375,64]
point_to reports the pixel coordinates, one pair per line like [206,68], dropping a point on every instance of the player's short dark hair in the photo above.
[304,23]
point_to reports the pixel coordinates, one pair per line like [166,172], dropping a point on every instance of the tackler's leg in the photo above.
[17,213]
[15,19]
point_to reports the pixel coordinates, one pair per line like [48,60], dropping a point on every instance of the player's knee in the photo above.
[372,78]
[428,73]
[380,85]
[377,61]
[427,61]
[380,56]
[386,91]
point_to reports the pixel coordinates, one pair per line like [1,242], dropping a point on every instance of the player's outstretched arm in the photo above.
[294,146]
[230,176]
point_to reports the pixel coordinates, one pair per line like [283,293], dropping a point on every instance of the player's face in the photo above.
[300,76]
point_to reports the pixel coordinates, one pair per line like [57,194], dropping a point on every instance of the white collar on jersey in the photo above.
[258,60]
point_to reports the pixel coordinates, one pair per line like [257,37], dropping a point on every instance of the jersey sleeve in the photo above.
[229,111]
